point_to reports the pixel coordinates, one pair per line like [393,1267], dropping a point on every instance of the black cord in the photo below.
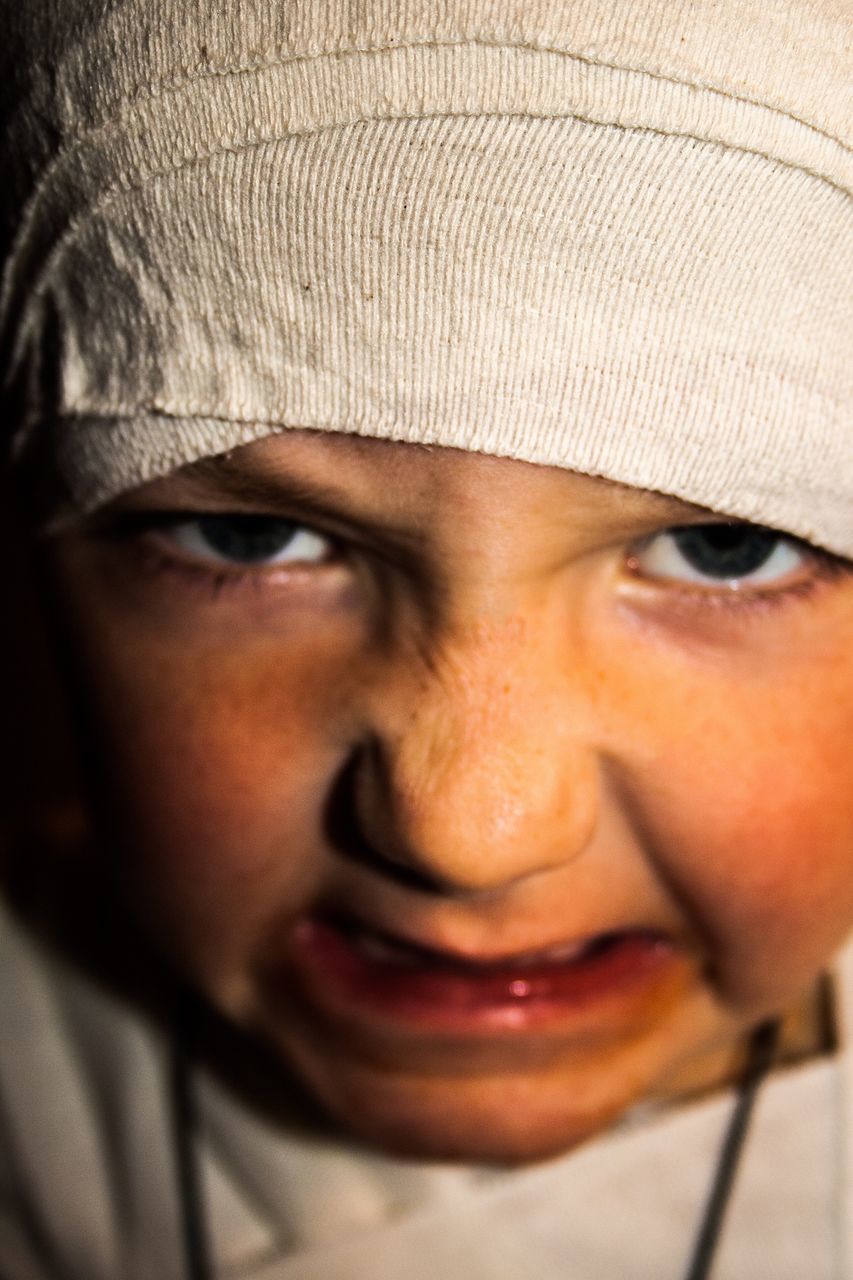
[198,1265]
[762,1051]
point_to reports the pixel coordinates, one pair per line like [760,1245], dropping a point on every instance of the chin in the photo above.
[505,1121]
[459,1144]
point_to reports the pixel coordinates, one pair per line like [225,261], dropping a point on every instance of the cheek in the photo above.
[219,771]
[745,797]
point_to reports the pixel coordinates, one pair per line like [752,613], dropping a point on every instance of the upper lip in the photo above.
[554,952]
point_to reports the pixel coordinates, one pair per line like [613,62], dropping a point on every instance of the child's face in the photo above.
[488,711]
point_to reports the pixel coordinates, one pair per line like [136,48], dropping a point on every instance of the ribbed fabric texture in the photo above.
[615,237]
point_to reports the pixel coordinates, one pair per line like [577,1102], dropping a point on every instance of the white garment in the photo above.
[608,235]
[87,1183]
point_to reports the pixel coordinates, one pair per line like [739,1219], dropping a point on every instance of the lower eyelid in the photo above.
[168,569]
[681,599]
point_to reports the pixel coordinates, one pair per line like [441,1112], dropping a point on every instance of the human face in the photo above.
[475,793]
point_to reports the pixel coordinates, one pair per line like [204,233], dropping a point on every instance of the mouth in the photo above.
[349,969]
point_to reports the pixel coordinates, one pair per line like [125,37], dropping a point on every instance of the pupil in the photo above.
[246,538]
[726,550]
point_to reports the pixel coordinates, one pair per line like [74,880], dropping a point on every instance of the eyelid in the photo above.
[143,530]
[134,522]
[819,569]
[189,537]
[396,548]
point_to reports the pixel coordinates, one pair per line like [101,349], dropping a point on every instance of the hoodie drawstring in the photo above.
[196,1246]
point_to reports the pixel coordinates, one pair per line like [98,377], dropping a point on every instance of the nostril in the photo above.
[359,827]
[457,803]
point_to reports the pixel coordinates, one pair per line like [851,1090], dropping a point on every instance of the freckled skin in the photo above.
[557,749]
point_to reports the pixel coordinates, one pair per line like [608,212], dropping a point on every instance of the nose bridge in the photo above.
[481,776]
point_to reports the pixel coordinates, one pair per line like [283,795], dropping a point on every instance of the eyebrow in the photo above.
[285,492]
[224,477]
[251,485]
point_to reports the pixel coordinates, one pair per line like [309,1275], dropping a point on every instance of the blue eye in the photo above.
[720,555]
[247,540]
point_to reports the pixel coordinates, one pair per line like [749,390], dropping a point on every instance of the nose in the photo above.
[475,774]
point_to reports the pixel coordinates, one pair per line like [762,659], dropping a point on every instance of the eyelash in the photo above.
[743,603]
[213,582]
[132,528]
[749,601]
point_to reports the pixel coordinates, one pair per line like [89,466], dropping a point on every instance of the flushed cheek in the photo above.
[222,796]
[773,918]
[755,832]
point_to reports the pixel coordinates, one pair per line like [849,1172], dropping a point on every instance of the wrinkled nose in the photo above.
[476,775]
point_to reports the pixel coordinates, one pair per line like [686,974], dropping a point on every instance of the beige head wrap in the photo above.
[611,235]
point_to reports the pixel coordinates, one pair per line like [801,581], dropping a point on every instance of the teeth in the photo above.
[390,952]
[380,949]
[552,955]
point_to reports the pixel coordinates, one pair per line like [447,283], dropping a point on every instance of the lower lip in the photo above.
[440,994]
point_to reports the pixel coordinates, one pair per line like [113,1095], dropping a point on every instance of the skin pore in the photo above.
[486,708]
